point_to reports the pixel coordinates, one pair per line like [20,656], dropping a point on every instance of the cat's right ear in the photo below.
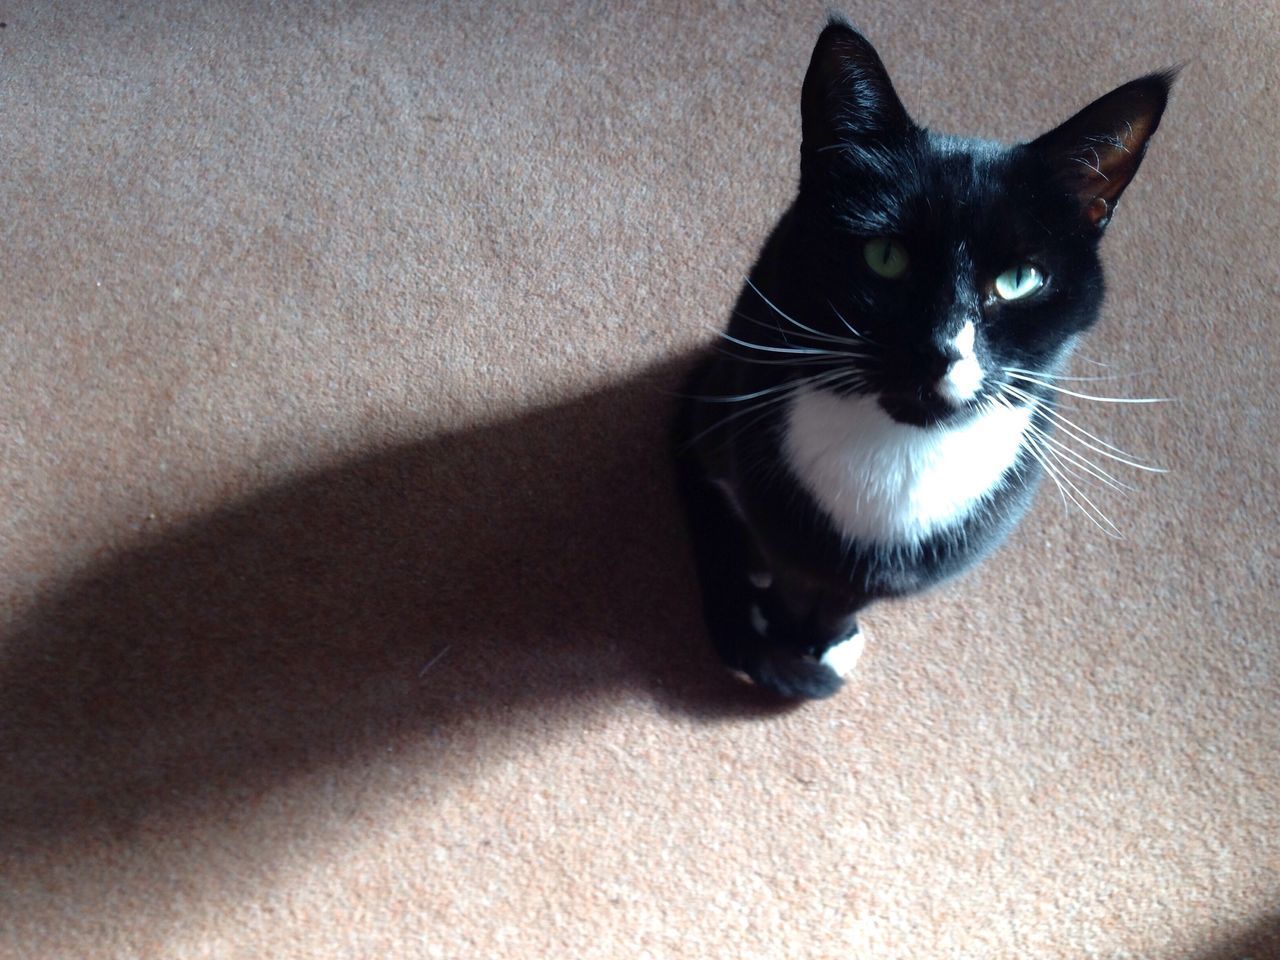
[847,93]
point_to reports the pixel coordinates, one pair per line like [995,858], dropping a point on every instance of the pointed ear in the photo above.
[1095,154]
[847,93]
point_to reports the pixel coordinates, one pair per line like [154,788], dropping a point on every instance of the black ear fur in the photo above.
[1095,154]
[847,93]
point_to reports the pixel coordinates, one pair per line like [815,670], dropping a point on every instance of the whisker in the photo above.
[1055,376]
[1096,363]
[761,346]
[820,337]
[793,320]
[763,405]
[1066,488]
[857,333]
[739,398]
[834,378]
[825,357]
[774,307]
[1085,476]
[1092,512]
[1086,396]
[1032,448]
[1069,425]
[1064,452]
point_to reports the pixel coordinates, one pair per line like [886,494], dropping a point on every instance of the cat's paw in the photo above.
[792,677]
[779,668]
[842,657]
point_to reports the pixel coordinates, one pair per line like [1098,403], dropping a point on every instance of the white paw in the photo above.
[761,581]
[758,621]
[843,657]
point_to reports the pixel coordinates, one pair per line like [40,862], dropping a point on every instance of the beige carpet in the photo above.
[345,610]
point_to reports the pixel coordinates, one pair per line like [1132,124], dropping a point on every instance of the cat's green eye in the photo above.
[1018,282]
[886,257]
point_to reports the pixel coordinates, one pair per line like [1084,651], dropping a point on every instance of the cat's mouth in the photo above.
[924,408]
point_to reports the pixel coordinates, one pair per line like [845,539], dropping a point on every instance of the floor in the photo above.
[344,606]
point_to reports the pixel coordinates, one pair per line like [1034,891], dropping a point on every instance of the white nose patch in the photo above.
[963,378]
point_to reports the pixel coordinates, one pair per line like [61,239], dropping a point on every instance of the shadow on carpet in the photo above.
[1259,942]
[519,568]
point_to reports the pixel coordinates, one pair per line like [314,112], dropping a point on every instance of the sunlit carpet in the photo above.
[344,607]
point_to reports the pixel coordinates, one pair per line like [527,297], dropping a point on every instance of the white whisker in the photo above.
[1092,511]
[1069,425]
[792,320]
[761,346]
[762,406]
[1033,449]
[857,333]
[1086,396]
[823,358]
[1095,363]
[739,398]
[1066,488]
[1055,376]
[774,307]
[820,337]
[1064,453]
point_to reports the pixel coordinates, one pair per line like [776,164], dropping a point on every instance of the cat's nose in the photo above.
[961,378]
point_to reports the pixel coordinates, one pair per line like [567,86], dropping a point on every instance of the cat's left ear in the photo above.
[1096,153]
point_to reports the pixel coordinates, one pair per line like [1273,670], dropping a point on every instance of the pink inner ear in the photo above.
[1096,152]
[1110,163]
[1098,212]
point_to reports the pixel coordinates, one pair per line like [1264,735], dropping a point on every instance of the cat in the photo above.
[874,420]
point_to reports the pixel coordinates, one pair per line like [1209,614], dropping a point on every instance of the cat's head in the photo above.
[952,258]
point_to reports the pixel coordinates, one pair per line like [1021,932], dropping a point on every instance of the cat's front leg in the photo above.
[743,608]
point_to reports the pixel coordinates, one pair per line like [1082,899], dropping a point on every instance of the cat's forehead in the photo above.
[965,178]
[949,144]
[940,184]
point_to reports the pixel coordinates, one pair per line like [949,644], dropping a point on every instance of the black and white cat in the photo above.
[869,425]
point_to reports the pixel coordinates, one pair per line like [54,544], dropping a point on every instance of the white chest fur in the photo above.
[891,482]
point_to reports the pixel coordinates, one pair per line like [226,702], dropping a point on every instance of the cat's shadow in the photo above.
[515,569]
[485,579]
[1260,941]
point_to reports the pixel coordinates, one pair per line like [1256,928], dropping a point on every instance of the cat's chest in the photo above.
[893,483]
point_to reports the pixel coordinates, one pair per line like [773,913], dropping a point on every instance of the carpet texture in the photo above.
[344,607]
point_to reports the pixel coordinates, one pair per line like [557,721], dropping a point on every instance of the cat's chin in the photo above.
[930,411]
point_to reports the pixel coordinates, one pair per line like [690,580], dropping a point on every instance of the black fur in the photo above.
[966,210]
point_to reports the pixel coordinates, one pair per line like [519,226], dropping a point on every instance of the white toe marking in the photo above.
[758,622]
[843,657]
[761,581]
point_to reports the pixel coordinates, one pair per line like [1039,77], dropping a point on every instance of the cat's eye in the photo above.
[886,257]
[1018,282]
